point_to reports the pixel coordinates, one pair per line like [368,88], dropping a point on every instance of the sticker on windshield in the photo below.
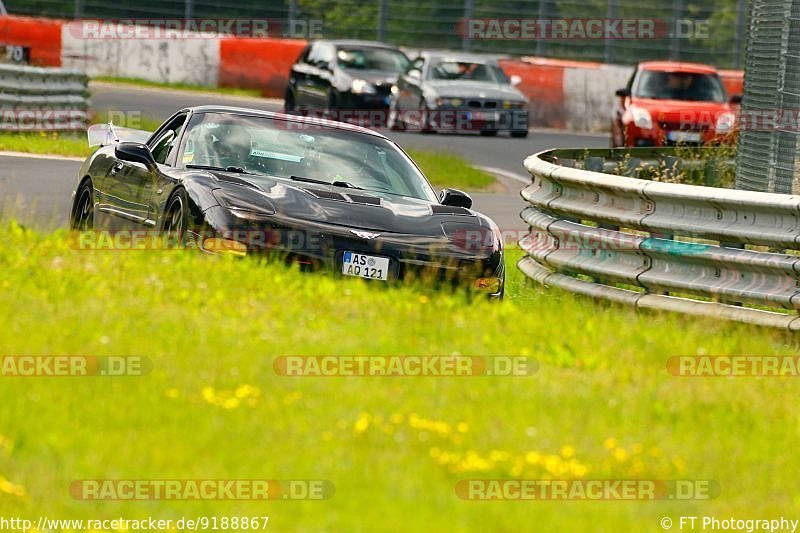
[275,155]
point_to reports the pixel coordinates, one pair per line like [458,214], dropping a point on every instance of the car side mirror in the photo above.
[515,80]
[736,99]
[623,93]
[414,74]
[455,198]
[135,153]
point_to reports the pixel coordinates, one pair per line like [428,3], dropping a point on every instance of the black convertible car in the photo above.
[325,195]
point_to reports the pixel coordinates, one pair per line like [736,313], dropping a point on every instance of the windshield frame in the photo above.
[428,193]
[499,77]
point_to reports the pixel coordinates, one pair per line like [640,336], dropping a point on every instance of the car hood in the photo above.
[303,203]
[681,110]
[378,77]
[472,89]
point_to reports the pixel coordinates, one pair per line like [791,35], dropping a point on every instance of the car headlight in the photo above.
[451,102]
[512,104]
[359,86]
[642,118]
[725,122]
[250,206]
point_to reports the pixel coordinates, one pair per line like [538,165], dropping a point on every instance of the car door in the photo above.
[129,186]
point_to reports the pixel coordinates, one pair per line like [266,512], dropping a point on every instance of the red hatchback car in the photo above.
[667,103]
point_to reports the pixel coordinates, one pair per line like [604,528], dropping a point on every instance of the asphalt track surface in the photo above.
[36,190]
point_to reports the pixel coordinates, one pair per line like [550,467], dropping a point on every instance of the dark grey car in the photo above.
[458,93]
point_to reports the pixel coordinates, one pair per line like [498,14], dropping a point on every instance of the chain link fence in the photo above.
[709,31]
[767,155]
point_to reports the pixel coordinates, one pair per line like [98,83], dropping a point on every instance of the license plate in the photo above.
[683,136]
[490,116]
[365,266]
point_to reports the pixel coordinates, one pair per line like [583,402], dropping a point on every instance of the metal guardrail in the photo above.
[694,249]
[42,99]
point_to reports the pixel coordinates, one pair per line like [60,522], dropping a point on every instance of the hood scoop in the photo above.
[330,195]
[353,198]
[450,210]
[361,199]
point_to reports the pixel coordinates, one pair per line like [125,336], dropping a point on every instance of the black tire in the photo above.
[395,123]
[332,111]
[288,102]
[176,215]
[488,133]
[521,134]
[82,216]
[425,120]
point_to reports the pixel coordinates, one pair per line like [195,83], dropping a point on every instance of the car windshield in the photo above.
[302,151]
[680,86]
[383,59]
[467,71]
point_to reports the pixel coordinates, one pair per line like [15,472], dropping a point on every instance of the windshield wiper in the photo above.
[344,184]
[233,170]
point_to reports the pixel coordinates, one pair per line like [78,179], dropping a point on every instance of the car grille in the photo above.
[482,104]
[681,126]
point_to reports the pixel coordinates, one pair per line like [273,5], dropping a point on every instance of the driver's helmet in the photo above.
[232,144]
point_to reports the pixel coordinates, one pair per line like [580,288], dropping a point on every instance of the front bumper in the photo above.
[469,120]
[320,247]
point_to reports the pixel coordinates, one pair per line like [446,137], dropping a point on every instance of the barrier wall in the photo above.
[564,94]
[258,63]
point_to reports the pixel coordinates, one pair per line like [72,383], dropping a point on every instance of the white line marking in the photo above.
[506,174]
[41,156]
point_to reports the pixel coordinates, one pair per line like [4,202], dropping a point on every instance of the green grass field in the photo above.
[138,82]
[601,406]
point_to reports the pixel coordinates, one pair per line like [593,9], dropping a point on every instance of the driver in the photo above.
[232,145]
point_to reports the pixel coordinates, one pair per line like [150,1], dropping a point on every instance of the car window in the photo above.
[466,71]
[164,143]
[383,59]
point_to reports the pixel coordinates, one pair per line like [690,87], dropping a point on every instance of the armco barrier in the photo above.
[666,243]
[42,99]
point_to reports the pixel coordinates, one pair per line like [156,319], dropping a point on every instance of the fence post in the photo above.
[611,14]
[677,28]
[540,45]
[3,9]
[466,42]
[738,39]
[383,15]
[189,11]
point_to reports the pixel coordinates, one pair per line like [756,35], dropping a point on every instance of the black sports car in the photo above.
[458,93]
[323,194]
[349,81]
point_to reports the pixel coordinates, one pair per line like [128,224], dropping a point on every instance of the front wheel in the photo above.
[82,218]
[175,215]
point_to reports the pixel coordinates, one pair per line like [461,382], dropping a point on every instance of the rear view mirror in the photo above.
[455,198]
[515,80]
[135,153]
